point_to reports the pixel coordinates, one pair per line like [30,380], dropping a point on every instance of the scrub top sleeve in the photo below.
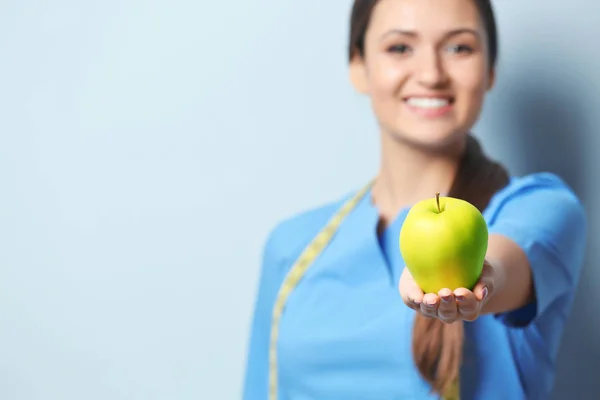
[549,224]
[256,377]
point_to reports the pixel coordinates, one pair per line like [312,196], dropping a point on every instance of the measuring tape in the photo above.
[293,277]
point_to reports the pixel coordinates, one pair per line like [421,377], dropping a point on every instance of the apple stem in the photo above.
[437,200]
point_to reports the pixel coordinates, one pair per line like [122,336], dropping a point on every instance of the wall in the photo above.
[146,149]
[543,117]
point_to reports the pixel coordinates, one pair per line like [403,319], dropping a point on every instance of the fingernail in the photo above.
[431,304]
[446,299]
[460,298]
[485,293]
[417,302]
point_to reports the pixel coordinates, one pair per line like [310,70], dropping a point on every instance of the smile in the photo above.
[430,106]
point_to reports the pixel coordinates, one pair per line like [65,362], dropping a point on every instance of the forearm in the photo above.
[512,276]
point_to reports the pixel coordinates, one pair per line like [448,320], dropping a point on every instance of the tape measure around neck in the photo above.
[293,277]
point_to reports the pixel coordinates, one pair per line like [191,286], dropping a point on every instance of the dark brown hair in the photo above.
[438,347]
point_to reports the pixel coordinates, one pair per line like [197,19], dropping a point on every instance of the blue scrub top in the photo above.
[345,333]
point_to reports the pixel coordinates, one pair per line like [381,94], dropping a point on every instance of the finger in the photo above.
[411,293]
[485,285]
[414,303]
[482,291]
[430,305]
[415,297]
[468,305]
[447,310]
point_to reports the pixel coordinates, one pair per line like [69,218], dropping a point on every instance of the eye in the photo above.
[400,49]
[460,49]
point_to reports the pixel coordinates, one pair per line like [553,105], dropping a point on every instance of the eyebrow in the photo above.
[448,34]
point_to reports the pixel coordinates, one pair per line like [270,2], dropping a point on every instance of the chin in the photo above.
[433,140]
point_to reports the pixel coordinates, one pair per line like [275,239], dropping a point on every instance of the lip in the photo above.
[430,112]
[429,96]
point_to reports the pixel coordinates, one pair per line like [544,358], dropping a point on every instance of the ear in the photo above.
[492,79]
[358,73]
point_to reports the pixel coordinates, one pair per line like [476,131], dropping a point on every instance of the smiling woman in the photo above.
[415,63]
[338,315]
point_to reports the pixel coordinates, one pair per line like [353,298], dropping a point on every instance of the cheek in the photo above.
[385,77]
[470,85]
[471,80]
[385,83]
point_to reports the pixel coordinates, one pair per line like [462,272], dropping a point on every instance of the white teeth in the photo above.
[422,102]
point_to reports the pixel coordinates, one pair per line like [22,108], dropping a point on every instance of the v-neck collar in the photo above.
[364,225]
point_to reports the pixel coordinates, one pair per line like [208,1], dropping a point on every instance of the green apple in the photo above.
[443,242]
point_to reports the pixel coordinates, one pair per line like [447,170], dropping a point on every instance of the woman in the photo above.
[337,314]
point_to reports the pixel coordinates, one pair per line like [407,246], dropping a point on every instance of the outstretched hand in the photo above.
[447,305]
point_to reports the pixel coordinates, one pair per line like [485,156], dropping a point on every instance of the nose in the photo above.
[430,70]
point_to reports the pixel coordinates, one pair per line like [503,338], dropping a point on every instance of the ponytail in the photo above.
[438,347]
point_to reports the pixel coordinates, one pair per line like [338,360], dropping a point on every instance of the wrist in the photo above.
[498,276]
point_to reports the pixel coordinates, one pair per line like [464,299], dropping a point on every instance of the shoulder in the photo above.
[520,185]
[543,215]
[291,235]
[542,192]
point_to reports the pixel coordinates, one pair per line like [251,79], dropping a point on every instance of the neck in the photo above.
[408,174]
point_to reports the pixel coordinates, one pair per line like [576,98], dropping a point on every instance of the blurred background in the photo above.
[147,147]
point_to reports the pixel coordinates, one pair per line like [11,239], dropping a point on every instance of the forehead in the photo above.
[425,15]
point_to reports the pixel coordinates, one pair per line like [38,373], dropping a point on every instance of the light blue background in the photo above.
[147,147]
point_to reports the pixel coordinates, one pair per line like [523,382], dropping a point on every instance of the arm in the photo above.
[537,246]
[535,252]
[513,280]
[257,364]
